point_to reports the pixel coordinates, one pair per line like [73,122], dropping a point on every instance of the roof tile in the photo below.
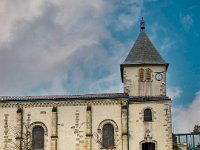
[65,97]
[143,52]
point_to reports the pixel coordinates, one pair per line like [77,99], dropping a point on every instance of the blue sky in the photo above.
[181,21]
[52,47]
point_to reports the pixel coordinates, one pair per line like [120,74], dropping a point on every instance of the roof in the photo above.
[64,97]
[114,96]
[143,52]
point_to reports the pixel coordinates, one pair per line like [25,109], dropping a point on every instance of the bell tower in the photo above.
[143,72]
[143,75]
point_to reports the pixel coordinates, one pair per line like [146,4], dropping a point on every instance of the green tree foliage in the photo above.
[196,129]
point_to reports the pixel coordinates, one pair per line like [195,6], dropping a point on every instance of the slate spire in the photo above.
[143,51]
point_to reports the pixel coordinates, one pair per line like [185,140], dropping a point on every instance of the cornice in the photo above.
[58,103]
[152,98]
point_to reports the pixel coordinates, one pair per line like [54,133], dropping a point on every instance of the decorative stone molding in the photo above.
[32,125]
[29,104]
[108,121]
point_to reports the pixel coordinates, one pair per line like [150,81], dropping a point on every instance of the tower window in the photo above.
[148,74]
[38,138]
[108,135]
[147,115]
[141,74]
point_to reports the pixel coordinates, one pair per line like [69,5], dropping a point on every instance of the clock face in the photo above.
[159,76]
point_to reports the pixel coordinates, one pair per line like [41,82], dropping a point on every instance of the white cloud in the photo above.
[174,92]
[132,10]
[168,40]
[185,117]
[166,44]
[55,47]
[186,21]
[12,12]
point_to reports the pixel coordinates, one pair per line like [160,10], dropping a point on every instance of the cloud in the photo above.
[12,12]
[186,21]
[129,10]
[174,92]
[166,44]
[60,46]
[185,117]
[168,40]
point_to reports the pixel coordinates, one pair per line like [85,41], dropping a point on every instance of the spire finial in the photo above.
[142,25]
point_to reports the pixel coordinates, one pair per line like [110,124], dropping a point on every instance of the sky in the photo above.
[52,47]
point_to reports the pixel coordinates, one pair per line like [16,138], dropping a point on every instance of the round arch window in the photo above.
[38,138]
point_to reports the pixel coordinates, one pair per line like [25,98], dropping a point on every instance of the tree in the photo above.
[196,129]
[26,143]
[98,140]
[20,143]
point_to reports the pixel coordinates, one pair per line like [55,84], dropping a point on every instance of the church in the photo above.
[139,118]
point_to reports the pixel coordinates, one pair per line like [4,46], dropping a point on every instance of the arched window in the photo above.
[38,138]
[108,135]
[141,74]
[147,115]
[148,74]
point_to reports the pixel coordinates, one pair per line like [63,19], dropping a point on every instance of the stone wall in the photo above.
[74,126]
[77,125]
[135,88]
[158,130]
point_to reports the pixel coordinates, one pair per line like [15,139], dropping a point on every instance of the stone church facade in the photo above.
[137,119]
